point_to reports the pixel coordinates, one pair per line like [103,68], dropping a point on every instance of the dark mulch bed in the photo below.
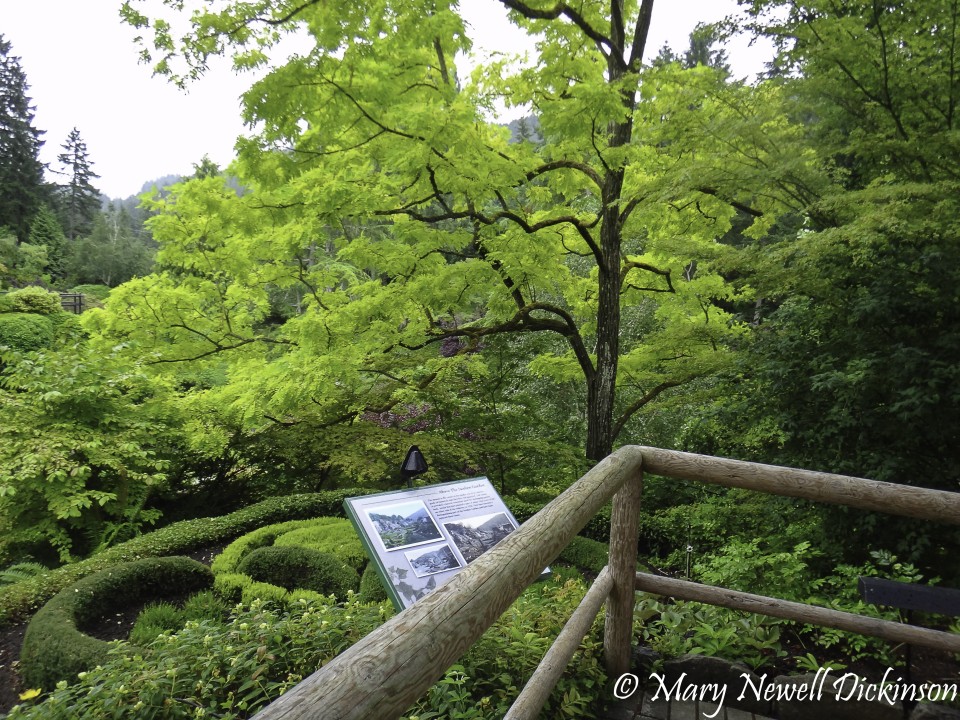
[115,626]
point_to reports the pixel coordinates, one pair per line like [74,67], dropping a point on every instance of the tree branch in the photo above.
[603,43]
[645,400]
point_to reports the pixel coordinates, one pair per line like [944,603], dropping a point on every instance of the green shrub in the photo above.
[205,605]
[54,646]
[333,535]
[98,292]
[34,300]
[295,567]
[371,586]
[326,534]
[25,331]
[20,599]
[586,554]
[155,619]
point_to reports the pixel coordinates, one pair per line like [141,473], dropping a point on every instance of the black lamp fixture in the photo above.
[413,465]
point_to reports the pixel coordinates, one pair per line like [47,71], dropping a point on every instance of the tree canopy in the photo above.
[381,191]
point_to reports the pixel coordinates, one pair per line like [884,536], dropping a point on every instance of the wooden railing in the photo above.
[384,674]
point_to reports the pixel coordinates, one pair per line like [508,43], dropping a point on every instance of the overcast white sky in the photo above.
[81,64]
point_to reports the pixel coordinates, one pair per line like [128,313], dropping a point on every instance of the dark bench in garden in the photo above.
[910,597]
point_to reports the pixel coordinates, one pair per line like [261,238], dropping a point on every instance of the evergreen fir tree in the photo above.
[45,231]
[79,199]
[21,172]
[701,51]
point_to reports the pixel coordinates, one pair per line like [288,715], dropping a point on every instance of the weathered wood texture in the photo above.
[544,679]
[735,600]
[618,628]
[382,675]
[886,497]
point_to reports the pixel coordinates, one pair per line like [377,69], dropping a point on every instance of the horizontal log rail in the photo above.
[801,612]
[385,673]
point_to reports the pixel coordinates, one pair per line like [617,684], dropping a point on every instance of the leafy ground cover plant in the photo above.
[158,618]
[231,669]
[212,669]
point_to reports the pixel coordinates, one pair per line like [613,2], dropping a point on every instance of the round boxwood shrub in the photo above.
[34,300]
[25,331]
[295,567]
[334,535]
[371,586]
[55,647]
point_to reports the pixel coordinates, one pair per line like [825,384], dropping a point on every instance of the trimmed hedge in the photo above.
[25,331]
[337,538]
[54,646]
[295,567]
[586,554]
[20,599]
[325,534]
[231,557]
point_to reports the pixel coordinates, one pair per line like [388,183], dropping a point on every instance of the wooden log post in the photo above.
[618,627]
[383,674]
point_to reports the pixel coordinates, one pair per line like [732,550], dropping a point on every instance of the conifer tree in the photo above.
[45,231]
[79,199]
[21,172]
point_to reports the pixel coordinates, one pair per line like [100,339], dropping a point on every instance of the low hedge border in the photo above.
[21,599]
[55,648]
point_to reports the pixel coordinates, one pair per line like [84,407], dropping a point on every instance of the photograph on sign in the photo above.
[473,536]
[403,525]
[419,538]
[432,560]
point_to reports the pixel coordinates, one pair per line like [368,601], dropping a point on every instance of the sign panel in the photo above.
[420,537]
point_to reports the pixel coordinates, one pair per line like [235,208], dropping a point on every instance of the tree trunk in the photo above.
[602,386]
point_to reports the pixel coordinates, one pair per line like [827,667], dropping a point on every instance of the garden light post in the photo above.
[414,464]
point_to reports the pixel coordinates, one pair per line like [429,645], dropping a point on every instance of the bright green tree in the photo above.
[85,439]
[381,191]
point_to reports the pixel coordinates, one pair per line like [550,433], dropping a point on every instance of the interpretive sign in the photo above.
[420,537]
